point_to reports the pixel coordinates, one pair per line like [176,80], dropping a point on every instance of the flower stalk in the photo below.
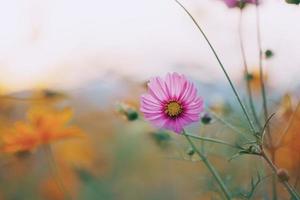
[210,167]
[246,71]
[250,122]
[212,140]
[264,98]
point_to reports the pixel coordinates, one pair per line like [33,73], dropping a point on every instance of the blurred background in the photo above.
[94,58]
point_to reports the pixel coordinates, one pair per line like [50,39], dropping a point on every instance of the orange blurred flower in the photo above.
[288,154]
[254,79]
[43,126]
[20,138]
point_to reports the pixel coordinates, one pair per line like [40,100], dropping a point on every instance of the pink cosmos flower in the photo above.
[236,3]
[171,102]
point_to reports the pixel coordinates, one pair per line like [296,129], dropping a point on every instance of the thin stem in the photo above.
[274,177]
[264,96]
[229,125]
[251,125]
[210,167]
[54,170]
[246,71]
[297,179]
[261,72]
[207,139]
[264,128]
[286,184]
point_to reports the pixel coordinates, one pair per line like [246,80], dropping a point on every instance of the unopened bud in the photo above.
[128,111]
[249,77]
[190,152]
[131,114]
[206,119]
[254,149]
[269,53]
[283,175]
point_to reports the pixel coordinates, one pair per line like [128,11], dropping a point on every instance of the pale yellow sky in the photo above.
[65,43]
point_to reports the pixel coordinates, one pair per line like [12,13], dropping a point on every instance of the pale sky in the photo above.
[67,43]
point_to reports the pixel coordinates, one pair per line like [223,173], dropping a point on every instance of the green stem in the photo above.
[207,139]
[54,170]
[261,73]
[264,96]
[222,67]
[246,71]
[210,167]
[274,177]
[229,125]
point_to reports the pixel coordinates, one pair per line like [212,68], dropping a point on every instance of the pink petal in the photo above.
[175,83]
[150,99]
[148,106]
[157,90]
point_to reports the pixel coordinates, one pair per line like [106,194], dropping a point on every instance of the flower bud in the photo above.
[131,114]
[269,53]
[283,175]
[190,151]
[206,119]
[249,77]
[254,149]
[128,111]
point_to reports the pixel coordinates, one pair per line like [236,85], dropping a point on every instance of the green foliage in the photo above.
[94,188]
[161,138]
[297,2]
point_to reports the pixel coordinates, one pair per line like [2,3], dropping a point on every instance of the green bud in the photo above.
[128,111]
[254,149]
[269,53]
[249,77]
[131,114]
[206,119]
[190,151]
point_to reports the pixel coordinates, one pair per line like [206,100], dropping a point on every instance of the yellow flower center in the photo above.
[173,109]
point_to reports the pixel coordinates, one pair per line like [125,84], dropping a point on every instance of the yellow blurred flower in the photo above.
[44,125]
